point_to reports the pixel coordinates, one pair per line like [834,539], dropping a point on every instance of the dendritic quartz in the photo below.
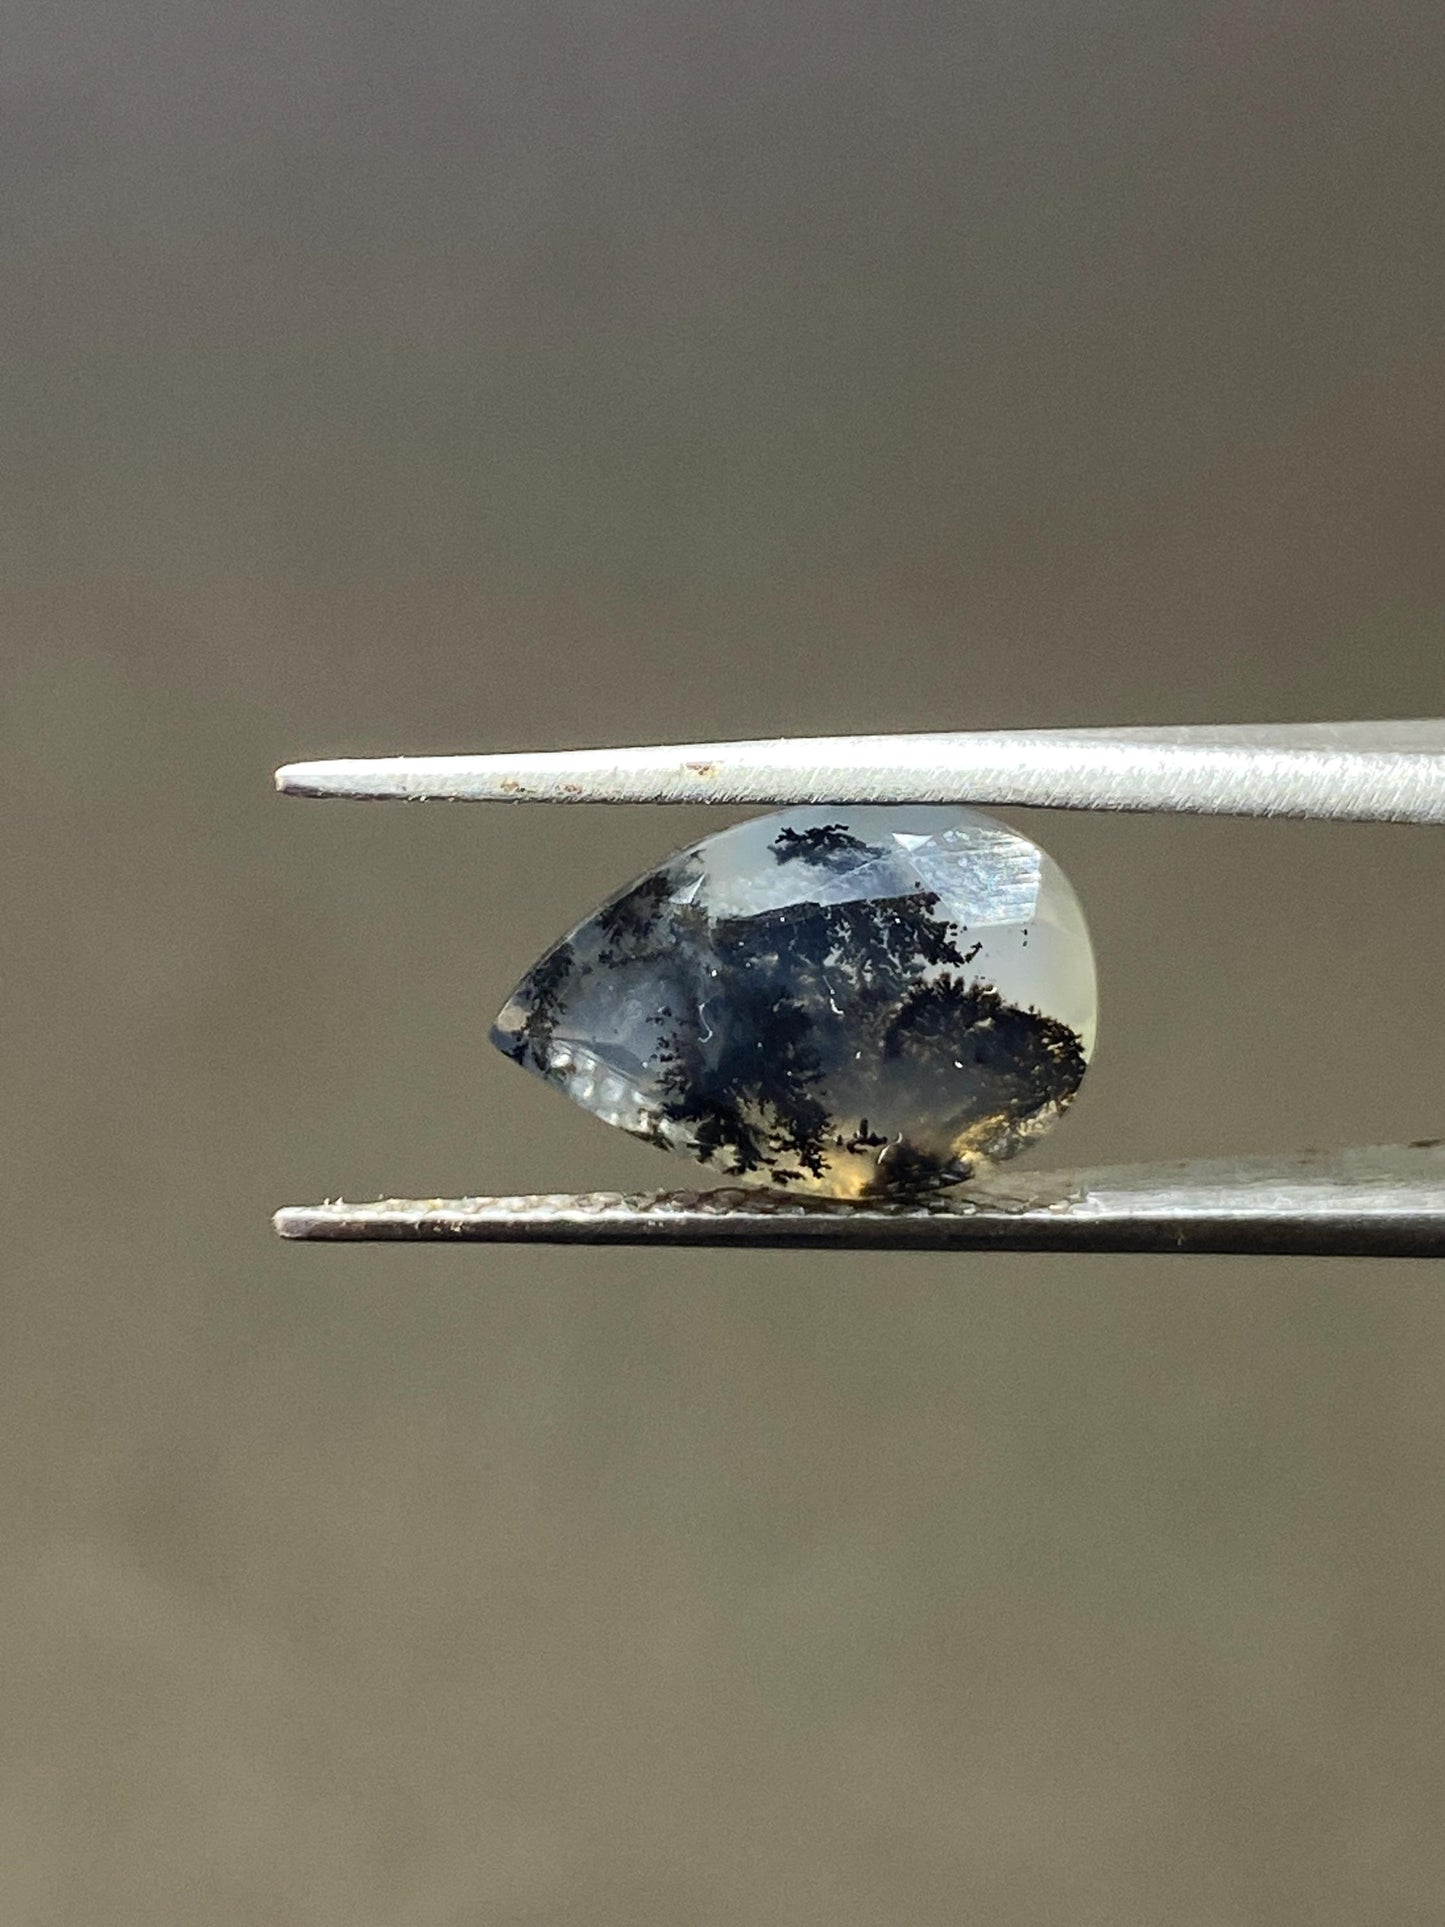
[852,1002]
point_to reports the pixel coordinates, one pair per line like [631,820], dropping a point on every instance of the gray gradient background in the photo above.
[472,376]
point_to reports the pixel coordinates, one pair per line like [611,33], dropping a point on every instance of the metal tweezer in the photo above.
[1384,1201]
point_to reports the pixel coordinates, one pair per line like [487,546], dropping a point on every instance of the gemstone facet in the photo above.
[854,1002]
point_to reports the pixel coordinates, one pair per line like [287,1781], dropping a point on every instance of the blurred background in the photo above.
[519,375]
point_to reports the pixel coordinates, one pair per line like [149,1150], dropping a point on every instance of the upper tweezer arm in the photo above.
[1357,771]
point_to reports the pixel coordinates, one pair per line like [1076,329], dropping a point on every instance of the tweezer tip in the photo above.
[298,779]
[361,778]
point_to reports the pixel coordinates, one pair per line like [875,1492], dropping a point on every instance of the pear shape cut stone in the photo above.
[852,1002]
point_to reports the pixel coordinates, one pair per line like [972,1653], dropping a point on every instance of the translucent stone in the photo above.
[857,1002]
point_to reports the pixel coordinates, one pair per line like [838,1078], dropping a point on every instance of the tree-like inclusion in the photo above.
[853,1002]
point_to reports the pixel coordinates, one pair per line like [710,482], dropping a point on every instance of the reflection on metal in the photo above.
[1379,1202]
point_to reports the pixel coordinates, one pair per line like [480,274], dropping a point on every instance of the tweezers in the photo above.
[1383,1201]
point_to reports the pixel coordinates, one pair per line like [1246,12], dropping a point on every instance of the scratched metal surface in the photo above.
[1379,1201]
[1361,771]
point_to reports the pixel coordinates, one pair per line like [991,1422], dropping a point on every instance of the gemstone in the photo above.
[849,1002]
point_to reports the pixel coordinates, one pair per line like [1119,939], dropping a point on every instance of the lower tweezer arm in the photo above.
[1382,1202]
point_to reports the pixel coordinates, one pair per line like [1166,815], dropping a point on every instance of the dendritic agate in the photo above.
[853,1002]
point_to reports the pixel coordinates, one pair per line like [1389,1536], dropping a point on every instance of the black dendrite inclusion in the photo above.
[630,922]
[758,1016]
[542,994]
[827,846]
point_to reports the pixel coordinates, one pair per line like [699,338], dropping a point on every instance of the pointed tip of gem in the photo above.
[506,1037]
[514,1027]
